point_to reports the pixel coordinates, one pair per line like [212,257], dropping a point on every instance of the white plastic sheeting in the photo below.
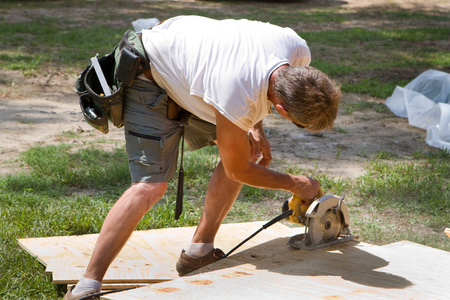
[425,101]
[140,24]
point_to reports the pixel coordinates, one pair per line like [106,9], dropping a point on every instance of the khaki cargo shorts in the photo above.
[152,140]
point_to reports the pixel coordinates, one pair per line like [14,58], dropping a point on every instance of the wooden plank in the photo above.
[66,271]
[59,247]
[149,256]
[351,271]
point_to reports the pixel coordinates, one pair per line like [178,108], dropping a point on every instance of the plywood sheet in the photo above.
[272,270]
[149,256]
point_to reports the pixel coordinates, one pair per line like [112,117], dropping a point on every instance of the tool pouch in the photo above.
[128,67]
[131,58]
[127,60]
[173,110]
[96,107]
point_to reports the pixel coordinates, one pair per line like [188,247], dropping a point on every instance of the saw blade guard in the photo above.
[320,206]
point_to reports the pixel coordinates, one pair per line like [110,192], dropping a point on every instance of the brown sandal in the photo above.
[187,264]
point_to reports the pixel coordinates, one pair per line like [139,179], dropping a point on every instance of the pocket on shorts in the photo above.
[146,136]
[144,92]
[162,98]
[144,154]
[155,101]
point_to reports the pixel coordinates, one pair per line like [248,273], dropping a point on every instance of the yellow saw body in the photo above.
[326,221]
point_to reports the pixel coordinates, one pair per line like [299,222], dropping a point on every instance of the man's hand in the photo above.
[306,188]
[260,146]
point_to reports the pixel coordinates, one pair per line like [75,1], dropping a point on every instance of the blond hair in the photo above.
[309,96]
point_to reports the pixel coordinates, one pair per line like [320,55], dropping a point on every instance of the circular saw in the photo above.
[326,221]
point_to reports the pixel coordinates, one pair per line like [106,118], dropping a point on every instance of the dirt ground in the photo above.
[42,110]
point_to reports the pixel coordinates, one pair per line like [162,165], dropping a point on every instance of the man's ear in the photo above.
[282,110]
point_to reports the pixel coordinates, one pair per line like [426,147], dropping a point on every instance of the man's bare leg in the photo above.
[220,196]
[120,223]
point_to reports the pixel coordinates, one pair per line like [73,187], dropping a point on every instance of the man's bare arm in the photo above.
[239,164]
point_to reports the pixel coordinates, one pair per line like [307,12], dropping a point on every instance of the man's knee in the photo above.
[149,192]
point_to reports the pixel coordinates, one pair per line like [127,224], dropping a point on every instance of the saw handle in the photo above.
[319,194]
[298,206]
[304,206]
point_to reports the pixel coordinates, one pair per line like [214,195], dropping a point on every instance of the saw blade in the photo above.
[325,228]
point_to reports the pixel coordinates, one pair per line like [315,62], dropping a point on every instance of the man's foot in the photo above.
[187,264]
[70,296]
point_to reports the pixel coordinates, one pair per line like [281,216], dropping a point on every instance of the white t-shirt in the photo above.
[204,63]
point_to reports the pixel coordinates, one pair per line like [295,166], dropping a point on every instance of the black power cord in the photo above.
[104,293]
[268,224]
